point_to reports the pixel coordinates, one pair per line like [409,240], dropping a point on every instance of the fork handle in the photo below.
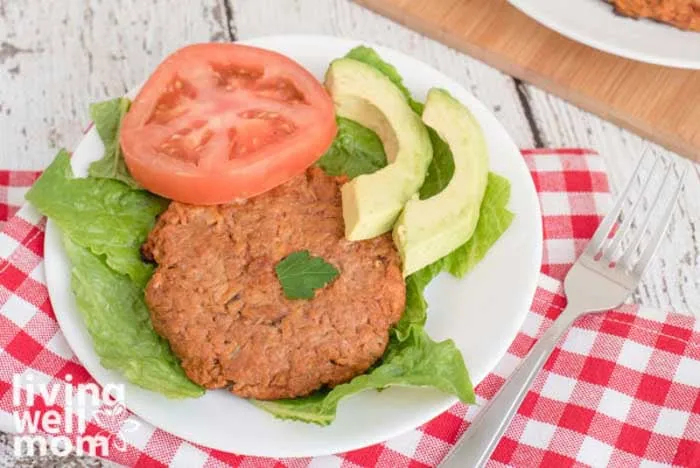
[483,435]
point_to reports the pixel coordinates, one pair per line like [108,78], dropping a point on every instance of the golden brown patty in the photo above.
[683,14]
[215,296]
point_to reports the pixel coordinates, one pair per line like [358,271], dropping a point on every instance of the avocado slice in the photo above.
[372,202]
[430,229]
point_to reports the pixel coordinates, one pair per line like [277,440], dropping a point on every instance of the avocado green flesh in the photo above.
[373,202]
[427,230]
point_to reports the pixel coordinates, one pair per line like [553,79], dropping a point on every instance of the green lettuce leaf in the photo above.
[371,57]
[494,220]
[107,117]
[356,150]
[416,311]
[102,215]
[418,361]
[115,314]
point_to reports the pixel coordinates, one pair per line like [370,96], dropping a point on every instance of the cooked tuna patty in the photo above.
[216,298]
[684,14]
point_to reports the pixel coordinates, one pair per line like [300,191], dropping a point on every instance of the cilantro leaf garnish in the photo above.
[300,274]
[356,150]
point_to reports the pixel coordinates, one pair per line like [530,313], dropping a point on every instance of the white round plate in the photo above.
[594,23]
[482,312]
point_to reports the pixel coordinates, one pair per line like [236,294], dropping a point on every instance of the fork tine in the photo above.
[601,234]
[655,240]
[609,251]
[629,251]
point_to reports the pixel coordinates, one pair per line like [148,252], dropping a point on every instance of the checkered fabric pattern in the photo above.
[621,389]
[13,185]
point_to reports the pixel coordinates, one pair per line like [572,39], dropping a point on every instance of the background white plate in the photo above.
[482,313]
[594,23]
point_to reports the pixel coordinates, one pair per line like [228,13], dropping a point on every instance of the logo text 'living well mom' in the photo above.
[62,432]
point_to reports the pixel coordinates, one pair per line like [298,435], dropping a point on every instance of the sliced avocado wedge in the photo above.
[372,202]
[427,230]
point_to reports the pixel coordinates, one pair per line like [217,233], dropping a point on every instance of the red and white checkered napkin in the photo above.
[13,185]
[622,388]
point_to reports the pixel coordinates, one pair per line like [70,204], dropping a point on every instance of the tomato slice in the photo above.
[219,122]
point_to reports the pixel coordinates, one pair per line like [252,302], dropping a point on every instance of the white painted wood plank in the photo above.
[342,18]
[672,281]
[57,57]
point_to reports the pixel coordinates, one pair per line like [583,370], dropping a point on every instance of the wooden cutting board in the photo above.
[659,103]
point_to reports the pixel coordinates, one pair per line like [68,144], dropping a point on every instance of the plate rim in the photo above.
[53,233]
[545,19]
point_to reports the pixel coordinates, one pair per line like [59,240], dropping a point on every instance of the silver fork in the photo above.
[605,274]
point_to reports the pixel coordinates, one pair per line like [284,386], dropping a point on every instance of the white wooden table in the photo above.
[57,57]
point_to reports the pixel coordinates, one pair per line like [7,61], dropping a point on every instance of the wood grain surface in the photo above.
[659,103]
[57,57]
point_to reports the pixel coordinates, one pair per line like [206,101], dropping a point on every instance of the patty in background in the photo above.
[683,14]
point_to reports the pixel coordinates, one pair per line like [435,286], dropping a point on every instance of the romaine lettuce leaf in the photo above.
[115,314]
[102,215]
[415,312]
[417,361]
[494,220]
[107,117]
[369,56]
